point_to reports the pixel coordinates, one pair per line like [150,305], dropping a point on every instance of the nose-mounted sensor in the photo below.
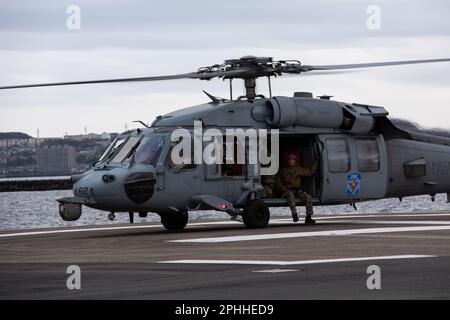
[107,178]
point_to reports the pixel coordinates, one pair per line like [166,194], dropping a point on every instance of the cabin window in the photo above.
[338,155]
[368,154]
[234,169]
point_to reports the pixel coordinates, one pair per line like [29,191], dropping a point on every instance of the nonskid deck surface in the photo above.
[224,260]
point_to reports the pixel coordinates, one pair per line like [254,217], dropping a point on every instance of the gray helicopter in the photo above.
[362,154]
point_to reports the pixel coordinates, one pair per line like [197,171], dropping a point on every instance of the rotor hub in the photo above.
[249,68]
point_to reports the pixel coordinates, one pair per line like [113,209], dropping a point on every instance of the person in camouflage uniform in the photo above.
[288,182]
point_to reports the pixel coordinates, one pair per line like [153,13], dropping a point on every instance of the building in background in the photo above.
[89,136]
[56,159]
[19,153]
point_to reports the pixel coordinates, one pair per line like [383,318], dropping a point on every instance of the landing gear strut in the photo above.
[131,215]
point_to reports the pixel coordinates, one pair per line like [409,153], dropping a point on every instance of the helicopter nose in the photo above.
[100,187]
[84,184]
[116,188]
[76,177]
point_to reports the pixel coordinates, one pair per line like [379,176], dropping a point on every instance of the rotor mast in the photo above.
[250,88]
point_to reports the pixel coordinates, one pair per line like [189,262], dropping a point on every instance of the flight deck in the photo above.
[224,260]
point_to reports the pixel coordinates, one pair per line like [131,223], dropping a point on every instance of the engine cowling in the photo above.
[282,112]
[307,112]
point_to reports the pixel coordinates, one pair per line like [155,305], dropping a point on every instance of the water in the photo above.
[39,209]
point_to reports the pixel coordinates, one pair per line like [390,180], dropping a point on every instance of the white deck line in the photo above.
[340,232]
[297,262]
[405,222]
[225,222]
[89,229]
[276,270]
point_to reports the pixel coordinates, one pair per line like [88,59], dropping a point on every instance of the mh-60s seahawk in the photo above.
[363,156]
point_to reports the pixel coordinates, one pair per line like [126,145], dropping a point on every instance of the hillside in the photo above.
[13,135]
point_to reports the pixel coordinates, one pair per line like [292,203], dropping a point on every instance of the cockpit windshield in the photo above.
[124,150]
[112,148]
[149,150]
[136,149]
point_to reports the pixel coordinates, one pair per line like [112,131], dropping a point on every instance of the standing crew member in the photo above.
[288,182]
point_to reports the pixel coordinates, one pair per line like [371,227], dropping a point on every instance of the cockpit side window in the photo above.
[149,150]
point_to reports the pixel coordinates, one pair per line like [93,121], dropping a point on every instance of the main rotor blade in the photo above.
[191,75]
[369,65]
[243,72]
[157,78]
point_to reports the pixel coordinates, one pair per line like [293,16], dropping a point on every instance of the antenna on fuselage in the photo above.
[142,122]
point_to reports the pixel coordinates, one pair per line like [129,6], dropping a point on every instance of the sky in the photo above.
[130,38]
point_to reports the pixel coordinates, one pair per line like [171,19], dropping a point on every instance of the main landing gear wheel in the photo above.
[256,214]
[174,220]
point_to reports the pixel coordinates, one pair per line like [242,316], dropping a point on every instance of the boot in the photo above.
[309,220]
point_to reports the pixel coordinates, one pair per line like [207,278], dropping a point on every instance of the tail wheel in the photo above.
[174,220]
[256,214]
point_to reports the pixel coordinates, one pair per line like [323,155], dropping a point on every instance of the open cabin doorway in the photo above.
[304,147]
